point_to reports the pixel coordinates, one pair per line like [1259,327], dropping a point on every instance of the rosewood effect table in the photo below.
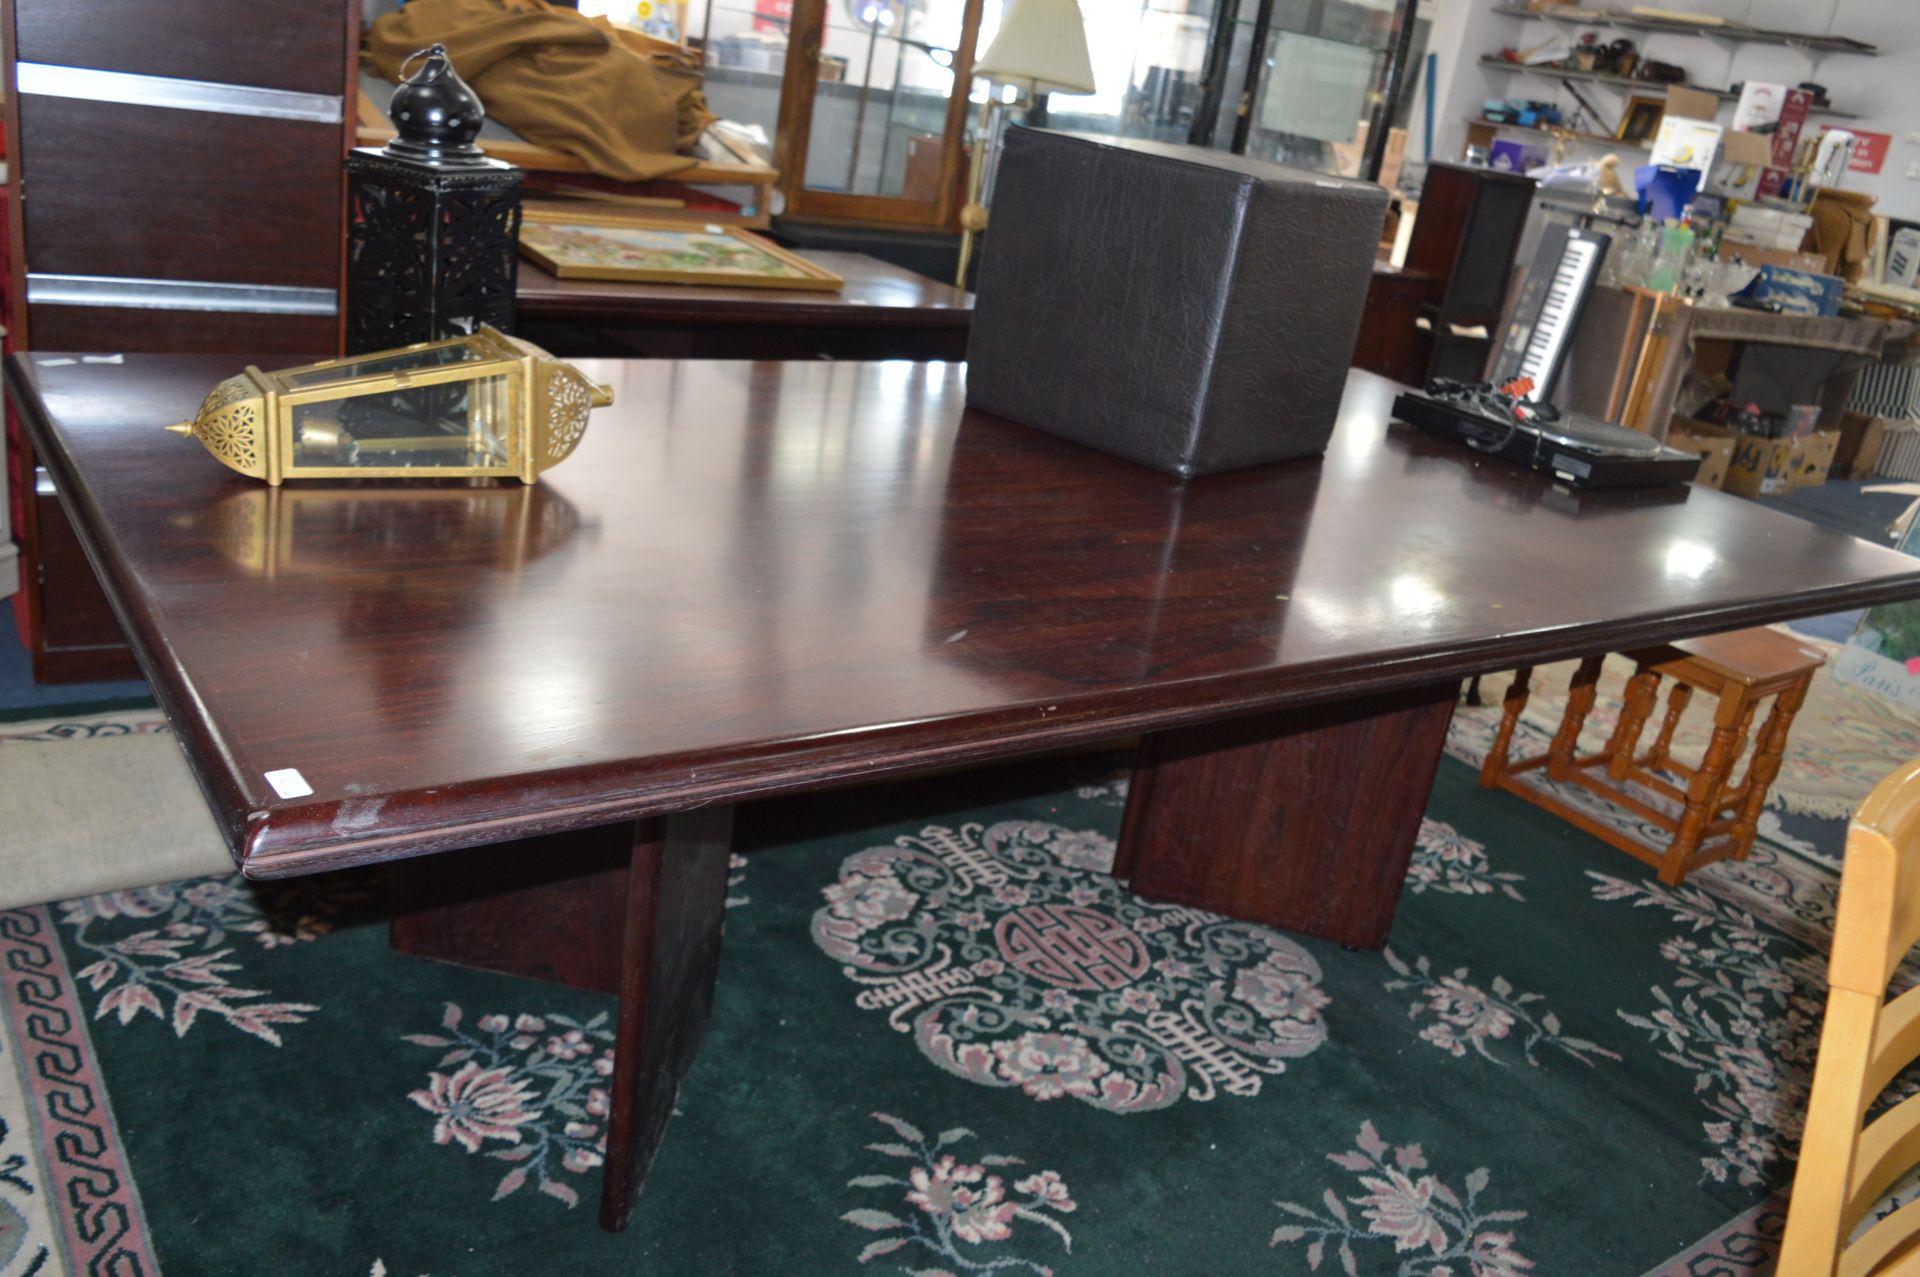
[881,312]
[766,578]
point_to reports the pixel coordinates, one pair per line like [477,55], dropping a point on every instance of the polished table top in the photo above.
[756,577]
[874,292]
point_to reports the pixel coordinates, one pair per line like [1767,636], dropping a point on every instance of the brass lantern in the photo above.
[483,405]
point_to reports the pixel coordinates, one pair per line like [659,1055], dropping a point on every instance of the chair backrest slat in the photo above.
[1887,1149]
[1885,1239]
[1896,1041]
[1864,1042]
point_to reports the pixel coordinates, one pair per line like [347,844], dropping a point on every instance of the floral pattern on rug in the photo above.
[1014,960]
[1440,1232]
[169,950]
[1461,1014]
[527,1090]
[1445,860]
[1742,1014]
[962,1212]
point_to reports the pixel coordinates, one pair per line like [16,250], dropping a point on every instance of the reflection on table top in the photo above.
[763,576]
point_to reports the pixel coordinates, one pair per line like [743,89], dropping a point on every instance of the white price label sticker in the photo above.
[289,783]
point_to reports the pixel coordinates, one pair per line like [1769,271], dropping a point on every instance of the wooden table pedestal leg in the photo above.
[634,910]
[549,908]
[675,900]
[1300,819]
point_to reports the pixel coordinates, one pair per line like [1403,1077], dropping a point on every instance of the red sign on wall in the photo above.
[773,15]
[1871,154]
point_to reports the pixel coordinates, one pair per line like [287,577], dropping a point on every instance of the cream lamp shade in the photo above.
[1041,45]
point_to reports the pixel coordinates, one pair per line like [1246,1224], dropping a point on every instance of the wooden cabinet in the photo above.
[1392,343]
[1468,227]
[854,149]
[174,185]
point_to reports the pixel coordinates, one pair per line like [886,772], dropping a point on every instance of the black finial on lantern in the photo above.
[437,115]
[434,233]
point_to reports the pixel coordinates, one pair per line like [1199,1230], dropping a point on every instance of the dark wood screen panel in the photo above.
[88,616]
[301,338]
[152,193]
[275,44]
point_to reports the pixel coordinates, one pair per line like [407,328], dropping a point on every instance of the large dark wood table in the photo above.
[882,312]
[766,578]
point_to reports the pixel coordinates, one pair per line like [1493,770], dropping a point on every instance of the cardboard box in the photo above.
[1797,292]
[1692,104]
[1861,438]
[1712,444]
[1760,467]
[1768,226]
[1519,155]
[1812,459]
[1686,143]
[1900,452]
[1736,173]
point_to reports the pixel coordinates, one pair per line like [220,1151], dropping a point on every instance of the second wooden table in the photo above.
[882,312]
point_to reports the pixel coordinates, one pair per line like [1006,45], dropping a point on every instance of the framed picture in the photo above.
[1641,120]
[655,251]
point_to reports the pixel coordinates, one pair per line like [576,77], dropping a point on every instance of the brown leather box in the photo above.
[1187,309]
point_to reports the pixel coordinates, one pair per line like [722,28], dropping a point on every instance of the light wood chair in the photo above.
[1864,1042]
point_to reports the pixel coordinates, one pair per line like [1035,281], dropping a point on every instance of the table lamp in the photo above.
[1041,48]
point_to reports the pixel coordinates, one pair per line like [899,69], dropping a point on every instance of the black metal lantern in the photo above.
[434,227]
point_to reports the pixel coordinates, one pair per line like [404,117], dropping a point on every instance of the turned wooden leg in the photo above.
[634,910]
[1730,724]
[1677,700]
[1768,752]
[1579,704]
[1301,819]
[1514,704]
[1643,689]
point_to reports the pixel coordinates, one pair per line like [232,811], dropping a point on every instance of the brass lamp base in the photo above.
[973,214]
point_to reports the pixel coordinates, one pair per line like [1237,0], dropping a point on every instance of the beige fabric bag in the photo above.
[625,104]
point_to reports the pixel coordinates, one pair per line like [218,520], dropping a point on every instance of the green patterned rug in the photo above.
[944,1043]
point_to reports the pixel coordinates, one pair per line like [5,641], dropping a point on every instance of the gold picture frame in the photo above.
[1641,120]
[654,250]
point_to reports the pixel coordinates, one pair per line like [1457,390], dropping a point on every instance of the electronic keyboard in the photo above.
[1581,451]
[1564,269]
